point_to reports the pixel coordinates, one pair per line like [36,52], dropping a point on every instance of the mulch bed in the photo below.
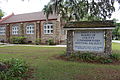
[115,62]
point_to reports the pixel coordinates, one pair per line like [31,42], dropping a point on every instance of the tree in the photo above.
[116,32]
[47,10]
[1,14]
[80,9]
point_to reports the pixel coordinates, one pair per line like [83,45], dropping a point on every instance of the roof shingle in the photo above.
[27,17]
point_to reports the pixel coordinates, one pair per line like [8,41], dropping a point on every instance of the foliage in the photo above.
[18,40]
[115,56]
[90,57]
[116,31]
[2,41]
[104,60]
[50,42]
[38,41]
[13,69]
[47,10]
[80,9]
[1,13]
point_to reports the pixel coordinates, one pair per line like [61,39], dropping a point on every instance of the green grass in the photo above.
[116,46]
[48,68]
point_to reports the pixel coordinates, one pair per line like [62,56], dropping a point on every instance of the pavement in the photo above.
[115,41]
[6,44]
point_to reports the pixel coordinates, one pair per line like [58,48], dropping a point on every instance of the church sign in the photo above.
[88,41]
[89,36]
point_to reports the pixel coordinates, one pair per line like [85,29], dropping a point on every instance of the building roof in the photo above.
[6,17]
[27,17]
[90,24]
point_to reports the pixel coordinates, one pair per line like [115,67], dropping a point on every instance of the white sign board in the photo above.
[88,41]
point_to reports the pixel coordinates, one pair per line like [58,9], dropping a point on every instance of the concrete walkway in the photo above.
[44,45]
[5,44]
[115,41]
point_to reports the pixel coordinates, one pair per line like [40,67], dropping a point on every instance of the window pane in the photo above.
[48,31]
[51,27]
[48,27]
[44,27]
[15,29]
[32,32]
[45,31]
[51,31]
[32,27]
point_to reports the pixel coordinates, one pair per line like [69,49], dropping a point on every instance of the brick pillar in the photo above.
[57,33]
[69,42]
[22,29]
[108,42]
[8,33]
[37,30]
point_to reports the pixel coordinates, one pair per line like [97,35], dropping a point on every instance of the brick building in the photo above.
[32,26]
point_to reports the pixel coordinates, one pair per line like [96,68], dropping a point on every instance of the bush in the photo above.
[38,41]
[50,42]
[18,40]
[115,56]
[2,41]
[89,57]
[104,60]
[13,69]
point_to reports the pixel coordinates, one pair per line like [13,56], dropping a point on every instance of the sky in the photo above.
[20,7]
[28,6]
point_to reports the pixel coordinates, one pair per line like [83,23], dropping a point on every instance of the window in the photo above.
[30,29]
[48,28]
[2,30]
[15,29]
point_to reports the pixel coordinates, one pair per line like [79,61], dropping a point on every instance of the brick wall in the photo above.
[3,37]
[30,37]
[56,32]
[57,35]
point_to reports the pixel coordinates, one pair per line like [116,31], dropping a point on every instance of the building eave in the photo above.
[27,21]
[89,28]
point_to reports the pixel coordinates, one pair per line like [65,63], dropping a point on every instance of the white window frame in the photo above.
[15,30]
[30,29]
[2,30]
[48,28]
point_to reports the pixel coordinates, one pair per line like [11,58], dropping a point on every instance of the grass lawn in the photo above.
[48,68]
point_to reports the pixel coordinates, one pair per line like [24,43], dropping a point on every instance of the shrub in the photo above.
[104,60]
[50,42]
[13,69]
[115,56]
[2,41]
[18,40]
[89,57]
[37,41]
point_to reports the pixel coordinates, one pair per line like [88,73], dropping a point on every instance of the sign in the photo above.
[88,41]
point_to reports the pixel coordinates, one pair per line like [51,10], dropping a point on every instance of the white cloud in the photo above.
[116,14]
[19,6]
